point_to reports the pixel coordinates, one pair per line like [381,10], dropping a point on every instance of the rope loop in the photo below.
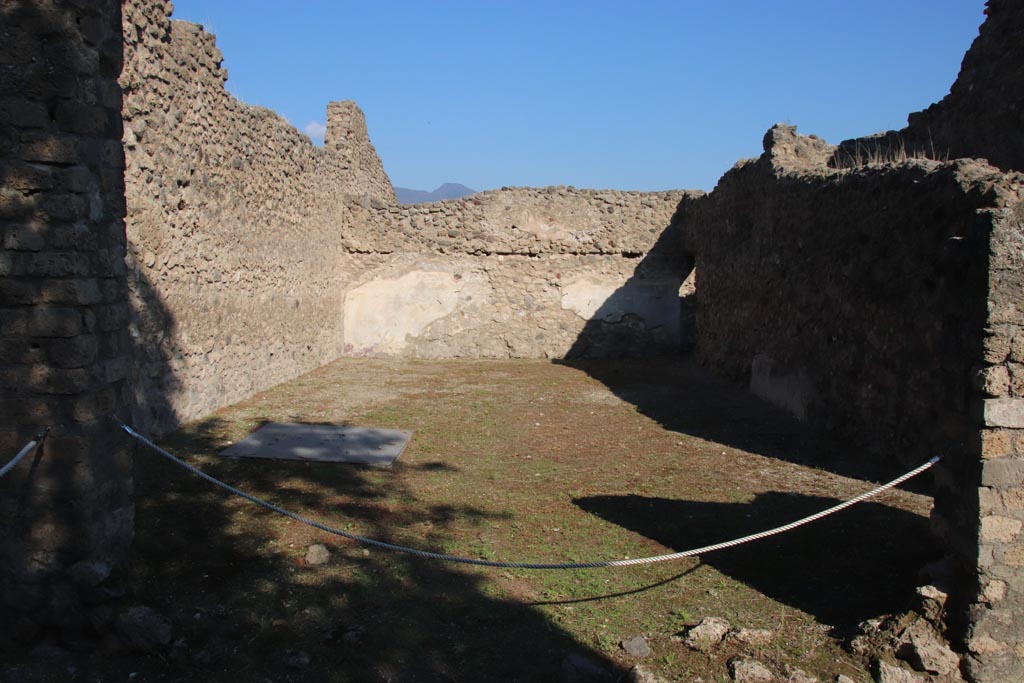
[523,565]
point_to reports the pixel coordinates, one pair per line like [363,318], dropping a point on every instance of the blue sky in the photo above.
[641,95]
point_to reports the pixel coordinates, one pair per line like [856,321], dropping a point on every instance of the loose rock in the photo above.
[143,630]
[926,650]
[752,637]
[636,647]
[641,674]
[317,554]
[887,673]
[707,634]
[578,668]
[794,675]
[749,671]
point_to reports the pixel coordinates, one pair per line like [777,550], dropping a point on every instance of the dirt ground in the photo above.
[512,460]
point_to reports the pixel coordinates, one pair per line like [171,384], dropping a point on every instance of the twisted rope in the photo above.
[29,447]
[524,565]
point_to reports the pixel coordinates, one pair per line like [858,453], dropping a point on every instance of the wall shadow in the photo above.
[244,604]
[644,317]
[860,563]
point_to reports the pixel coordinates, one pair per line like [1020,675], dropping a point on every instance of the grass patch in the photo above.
[521,460]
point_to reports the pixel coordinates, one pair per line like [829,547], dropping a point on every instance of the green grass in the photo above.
[595,479]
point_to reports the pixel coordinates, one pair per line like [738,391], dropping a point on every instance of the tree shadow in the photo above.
[859,563]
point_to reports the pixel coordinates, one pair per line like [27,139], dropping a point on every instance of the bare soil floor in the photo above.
[516,460]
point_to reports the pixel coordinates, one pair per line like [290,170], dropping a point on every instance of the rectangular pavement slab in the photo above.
[322,443]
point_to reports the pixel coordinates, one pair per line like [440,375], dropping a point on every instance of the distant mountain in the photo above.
[446,191]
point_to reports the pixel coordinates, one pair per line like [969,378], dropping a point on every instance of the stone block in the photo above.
[994,443]
[1002,473]
[990,501]
[15,291]
[1016,372]
[1016,347]
[76,117]
[1004,412]
[61,207]
[74,352]
[22,112]
[53,148]
[54,322]
[56,264]
[70,291]
[993,380]
[999,529]
[1014,556]
[14,204]
[26,177]
[94,406]
[1013,498]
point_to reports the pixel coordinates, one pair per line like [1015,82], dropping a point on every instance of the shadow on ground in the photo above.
[246,605]
[857,564]
[685,398]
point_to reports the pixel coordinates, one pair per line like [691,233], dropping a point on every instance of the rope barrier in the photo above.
[29,447]
[523,565]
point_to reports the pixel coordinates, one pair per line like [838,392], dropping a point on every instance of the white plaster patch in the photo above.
[793,391]
[656,301]
[382,315]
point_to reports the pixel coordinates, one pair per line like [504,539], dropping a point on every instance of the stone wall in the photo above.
[65,353]
[983,114]
[996,635]
[234,226]
[883,301]
[515,273]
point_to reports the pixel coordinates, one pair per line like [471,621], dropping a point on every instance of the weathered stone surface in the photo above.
[926,650]
[707,634]
[745,670]
[62,238]
[752,637]
[317,554]
[578,668]
[1004,412]
[636,647]
[887,673]
[995,528]
[794,675]
[641,674]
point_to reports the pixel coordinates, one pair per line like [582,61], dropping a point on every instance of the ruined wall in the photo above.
[982,116]
[883,301]
[234,225]
[517,272]
[65,353]
[348,137]
[996,635]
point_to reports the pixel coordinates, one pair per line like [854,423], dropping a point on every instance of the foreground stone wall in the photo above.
[65,353]
[996,635]
[515,273]
[983,114]
[883,301]
[234,226]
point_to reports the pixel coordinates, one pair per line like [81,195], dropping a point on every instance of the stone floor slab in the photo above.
[322,443]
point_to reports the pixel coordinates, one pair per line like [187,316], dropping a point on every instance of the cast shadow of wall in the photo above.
[242,593]
[649,366]
[645,317]
[857,564]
